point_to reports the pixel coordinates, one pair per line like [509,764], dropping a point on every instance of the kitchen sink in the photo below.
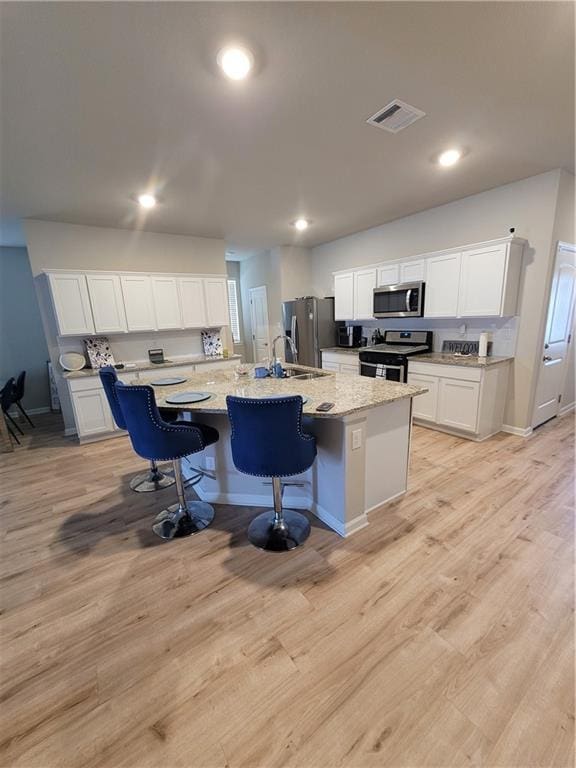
[302,374]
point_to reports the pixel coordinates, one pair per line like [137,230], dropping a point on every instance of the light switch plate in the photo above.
[210,462]
[356,439]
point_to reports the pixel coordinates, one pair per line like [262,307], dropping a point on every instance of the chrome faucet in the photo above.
[276,359]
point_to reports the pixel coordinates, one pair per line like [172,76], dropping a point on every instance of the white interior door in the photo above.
[557,337]
[259,321]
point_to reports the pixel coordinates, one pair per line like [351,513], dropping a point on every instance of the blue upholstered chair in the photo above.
[267,441]
[155,439]
[154,479]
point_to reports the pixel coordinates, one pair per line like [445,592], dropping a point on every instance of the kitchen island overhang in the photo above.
[363,443]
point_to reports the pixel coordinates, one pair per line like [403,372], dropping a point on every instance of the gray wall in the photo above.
[528,205]
[22,342]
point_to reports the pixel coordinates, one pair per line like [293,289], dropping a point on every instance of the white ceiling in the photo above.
[101,99]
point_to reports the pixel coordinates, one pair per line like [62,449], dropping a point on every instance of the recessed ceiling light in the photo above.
[301,224]
[146,201]
[450,157]
[236,62]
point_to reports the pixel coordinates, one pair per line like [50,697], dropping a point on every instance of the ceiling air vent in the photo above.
[396,116]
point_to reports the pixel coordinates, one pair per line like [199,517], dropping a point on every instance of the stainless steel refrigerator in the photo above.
[309,322]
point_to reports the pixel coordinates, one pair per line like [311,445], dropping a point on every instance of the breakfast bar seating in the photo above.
[159,440]
[261,451]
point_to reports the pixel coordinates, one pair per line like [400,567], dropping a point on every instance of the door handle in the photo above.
[408,295]
[546,359]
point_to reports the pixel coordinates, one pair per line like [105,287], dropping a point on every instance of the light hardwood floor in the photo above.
[441,635]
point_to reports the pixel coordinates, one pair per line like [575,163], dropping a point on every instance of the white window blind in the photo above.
[233,311]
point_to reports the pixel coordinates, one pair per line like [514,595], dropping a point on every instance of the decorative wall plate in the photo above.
[72,361]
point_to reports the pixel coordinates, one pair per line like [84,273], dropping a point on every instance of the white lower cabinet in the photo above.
[462,400]
[340,362]
[425,406]
[92,412]
[458,404]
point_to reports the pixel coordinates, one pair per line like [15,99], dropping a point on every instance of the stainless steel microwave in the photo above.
[401,300]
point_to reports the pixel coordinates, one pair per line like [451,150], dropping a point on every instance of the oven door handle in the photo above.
[408,296]
[382,365]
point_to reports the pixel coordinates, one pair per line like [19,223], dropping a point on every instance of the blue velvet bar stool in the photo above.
[154,479]
[159,440]
[267,441]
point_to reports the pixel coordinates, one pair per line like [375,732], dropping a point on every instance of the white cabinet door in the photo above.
[216,293]
[389,274]
[138,303]
[442,285]
[328,366]
[71,304]
[425,406]
[482,281]
[344,296]
[92,412]
[413,271]
[458,404]
[193,302]
[364,284]
[348,368]
[107,303]
[166,302]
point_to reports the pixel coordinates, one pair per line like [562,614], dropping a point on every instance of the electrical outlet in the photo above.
[210,462]
[356,439]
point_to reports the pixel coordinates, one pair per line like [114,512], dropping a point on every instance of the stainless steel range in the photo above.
[390,359]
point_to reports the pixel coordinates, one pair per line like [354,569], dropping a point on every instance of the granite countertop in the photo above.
[349,393]
[146,365]
[344,350]
[468,361]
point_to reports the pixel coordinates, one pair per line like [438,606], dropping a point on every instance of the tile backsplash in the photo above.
[503,331]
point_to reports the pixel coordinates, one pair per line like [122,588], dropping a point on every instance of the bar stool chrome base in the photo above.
[278,533]
[176,521]
[153,480]
[185,518]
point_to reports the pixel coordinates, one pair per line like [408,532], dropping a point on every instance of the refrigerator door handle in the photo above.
[294,331]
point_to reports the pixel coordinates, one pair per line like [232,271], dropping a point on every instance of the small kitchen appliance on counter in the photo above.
[349,335]
[390,359]
[156,356]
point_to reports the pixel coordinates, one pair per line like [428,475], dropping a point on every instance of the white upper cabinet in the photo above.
[71,304]
[193,302]
[489,281]
[389,274]
[107,303]
[216,294]
[138,302]
[344,296]
[442,285]
[413,271]
[166,302]
[364,284]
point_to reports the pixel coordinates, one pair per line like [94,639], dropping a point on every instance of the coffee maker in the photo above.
[349,335]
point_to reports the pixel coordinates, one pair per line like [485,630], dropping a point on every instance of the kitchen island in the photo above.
[363,442]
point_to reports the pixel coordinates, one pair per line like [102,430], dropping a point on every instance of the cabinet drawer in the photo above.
[339,359]
[460,372]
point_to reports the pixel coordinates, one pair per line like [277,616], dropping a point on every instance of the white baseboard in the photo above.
[518,431]
[567,409]
[290,502]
